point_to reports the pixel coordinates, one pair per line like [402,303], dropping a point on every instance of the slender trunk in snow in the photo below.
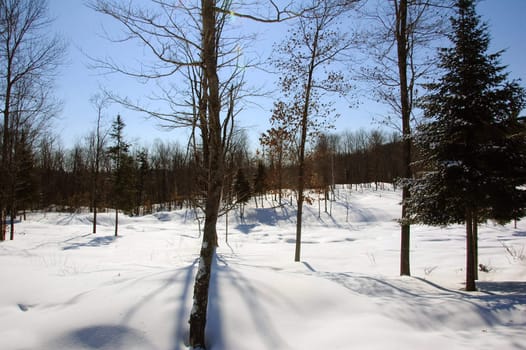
[116,221]
[213,156]
[475,244]
[402,51]
[470,261]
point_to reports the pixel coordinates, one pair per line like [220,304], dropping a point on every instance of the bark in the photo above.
[94,219]
[470,261]
[2,224]
[303,141]
[475,244]
[198,315]
[12,224]
[214,151]
[6,150]
[116,221]
[402,51]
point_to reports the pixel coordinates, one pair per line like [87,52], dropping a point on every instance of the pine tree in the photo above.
[260,182]
[123,169]
[473,145]
[242,190]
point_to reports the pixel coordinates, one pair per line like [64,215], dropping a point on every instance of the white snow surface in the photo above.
[64,288]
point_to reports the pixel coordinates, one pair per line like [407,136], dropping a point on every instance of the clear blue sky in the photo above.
[82,27]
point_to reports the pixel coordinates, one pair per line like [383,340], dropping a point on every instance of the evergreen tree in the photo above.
[473,145]
[123,169]
[260,181]
[143,172]
[241,190]
[26,188]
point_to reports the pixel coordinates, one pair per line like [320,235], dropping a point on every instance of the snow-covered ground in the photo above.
[64,288]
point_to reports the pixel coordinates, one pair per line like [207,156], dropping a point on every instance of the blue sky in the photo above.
[83,29]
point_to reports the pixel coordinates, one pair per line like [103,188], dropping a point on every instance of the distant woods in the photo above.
[163,175]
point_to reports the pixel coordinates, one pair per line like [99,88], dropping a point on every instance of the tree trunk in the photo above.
[202,283]
[12,224]
[116,221]
[475,244]
[226,226]
[299,215]
[2,224]
[303,141]
[401,42]
[94,219]
[214,154]
[470,261]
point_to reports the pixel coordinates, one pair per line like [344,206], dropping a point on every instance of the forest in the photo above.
[458,155]
[163,176]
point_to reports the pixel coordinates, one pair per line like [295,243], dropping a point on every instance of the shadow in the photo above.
[441,288]
[369,286]
[104,337]
[185,274]
[246,228]
[269,335]
[513,288]
[496,297]
[270,216]
[181,333]
[163,216]
[308,266]
[519,234]
[95,242]
[414,303]
[214,325]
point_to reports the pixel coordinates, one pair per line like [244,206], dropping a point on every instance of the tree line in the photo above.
[162,176]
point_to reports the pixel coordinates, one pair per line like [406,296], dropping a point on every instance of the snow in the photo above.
[64,288]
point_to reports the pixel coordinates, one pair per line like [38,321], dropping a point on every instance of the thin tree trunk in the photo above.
[470,261]
[116,221]
[401,41]
[94,219]
[12,225]
[303,141]
[213,156]
[2,224]
[475,244]
[297,252]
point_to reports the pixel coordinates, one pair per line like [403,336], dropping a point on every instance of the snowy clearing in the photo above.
[64,288]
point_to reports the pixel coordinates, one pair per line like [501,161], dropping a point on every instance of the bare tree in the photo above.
[185,39]
[29,58]
[402,52]
[97,142]
[306,61]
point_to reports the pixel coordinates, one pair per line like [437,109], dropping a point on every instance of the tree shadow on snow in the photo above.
[493,298]
[95,242]
[519,234]
[510,289]
[105,337]
[181,330]
[246,291]
[246,228]
[418,306]
[270,216]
